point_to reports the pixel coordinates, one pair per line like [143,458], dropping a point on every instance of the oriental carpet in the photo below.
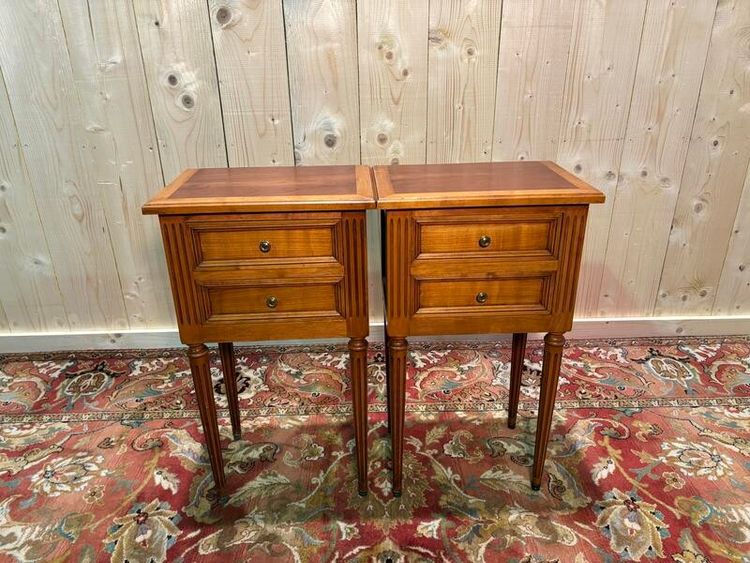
[101,457]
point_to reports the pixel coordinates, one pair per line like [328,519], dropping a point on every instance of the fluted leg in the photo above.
[397,352]
[199,366]
[553,345]
[226,350]
[388,383]
[516,369]
[358,362]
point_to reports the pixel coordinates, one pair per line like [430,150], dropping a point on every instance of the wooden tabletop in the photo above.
[485,184]
[277,188]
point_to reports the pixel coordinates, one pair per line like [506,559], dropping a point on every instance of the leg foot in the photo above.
[516,369]
[226,350]
[199,367]
[553,345]
[358,362]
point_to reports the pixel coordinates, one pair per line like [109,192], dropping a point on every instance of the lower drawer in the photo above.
[270,301]
[518,293]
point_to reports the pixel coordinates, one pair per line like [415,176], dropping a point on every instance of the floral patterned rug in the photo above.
[101,458]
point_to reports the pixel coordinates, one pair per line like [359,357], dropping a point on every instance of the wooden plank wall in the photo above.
[103,101]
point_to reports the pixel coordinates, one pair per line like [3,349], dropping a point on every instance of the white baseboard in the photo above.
[602,328]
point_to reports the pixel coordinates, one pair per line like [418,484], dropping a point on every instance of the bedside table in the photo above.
[481,248]
[266,254]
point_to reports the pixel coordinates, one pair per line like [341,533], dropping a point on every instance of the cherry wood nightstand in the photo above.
[481,248]
[265,254]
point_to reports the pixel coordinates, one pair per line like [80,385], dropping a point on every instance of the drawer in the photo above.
[522,232]
[517,293]
[270,301]
[243,239]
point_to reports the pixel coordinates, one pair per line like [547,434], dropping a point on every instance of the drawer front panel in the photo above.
[243,244]
[488,232]
[271,301]
[492,237]
[479,295]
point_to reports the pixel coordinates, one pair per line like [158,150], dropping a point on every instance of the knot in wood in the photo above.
[172,79]
[330,140]
[223,15]
[187,101]
[382,138]
[436,37]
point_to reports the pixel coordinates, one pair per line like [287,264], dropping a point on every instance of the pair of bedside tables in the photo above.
[280,253]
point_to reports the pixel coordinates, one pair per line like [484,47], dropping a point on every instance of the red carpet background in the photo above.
[101,458]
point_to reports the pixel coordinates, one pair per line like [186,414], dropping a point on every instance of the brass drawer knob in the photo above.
[271,302]
[485,241]
[264,246]
[481,297]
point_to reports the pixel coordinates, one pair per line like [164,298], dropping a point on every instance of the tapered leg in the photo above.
[397,348]
[553,345]
[199,366]
[516,369]
[358,362]
[226,350]
[388,382]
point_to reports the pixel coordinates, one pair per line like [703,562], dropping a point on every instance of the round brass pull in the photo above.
[271,302]
[485,241]
[481,297]
[264,246]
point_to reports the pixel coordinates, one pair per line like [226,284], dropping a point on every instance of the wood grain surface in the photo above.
[103,102]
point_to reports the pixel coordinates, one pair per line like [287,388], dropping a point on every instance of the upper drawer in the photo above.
[249,239]
[522,232]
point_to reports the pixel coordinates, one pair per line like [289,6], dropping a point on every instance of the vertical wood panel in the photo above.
[322,55]
[178,57]
[102,40]
[716,166]
[61,158]
[248,38]
[733,293]
[29,297]
[604,52]
[105,99]
[463,40]
[392,48]
[670,67]
[533,57]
